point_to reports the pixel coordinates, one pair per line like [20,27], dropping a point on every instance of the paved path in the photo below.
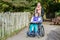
[22,34]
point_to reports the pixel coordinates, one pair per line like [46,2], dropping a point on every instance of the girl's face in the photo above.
[36,14]
[38,5]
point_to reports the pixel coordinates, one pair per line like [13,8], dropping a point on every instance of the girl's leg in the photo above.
[36,29]
[31,28]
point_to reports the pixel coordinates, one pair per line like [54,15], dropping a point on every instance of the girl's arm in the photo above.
[32,19]
[40,20]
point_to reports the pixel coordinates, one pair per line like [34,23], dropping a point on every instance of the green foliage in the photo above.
[18,5]
[50,7]
[57,13]
[27,5]
[54,7]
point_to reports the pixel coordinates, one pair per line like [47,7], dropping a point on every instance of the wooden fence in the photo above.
[10,22]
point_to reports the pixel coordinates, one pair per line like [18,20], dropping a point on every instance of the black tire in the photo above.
[42,32]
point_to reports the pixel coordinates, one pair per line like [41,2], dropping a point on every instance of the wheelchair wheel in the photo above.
[42,32]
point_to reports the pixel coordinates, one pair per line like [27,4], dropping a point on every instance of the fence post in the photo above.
[3,27]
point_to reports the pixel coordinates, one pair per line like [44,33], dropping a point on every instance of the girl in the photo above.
[34,26]
[38,9]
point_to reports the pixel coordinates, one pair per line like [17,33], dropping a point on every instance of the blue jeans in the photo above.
[34,27]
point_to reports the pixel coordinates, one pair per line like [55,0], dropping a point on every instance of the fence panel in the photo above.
[9,22]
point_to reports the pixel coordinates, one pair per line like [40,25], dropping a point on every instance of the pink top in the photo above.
[38,10]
